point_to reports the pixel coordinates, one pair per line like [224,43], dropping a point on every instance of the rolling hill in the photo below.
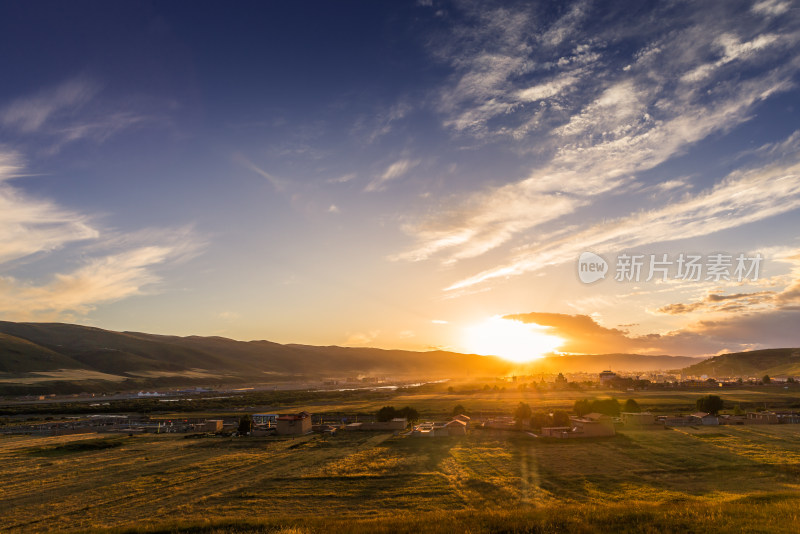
[754,363]
[136,359]
[27,348]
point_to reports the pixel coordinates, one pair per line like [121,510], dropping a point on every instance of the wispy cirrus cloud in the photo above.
[30,114]
[113,266]
[395,170]
[635,114]
[29,225]
[242,160]
[741,198]
[69,112]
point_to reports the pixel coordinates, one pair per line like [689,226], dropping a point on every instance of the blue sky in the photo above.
[390,173]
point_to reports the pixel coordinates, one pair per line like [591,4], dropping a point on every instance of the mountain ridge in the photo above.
[140,358]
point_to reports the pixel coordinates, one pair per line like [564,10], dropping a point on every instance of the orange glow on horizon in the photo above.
[511,340]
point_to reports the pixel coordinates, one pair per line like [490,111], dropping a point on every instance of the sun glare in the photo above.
[511,340]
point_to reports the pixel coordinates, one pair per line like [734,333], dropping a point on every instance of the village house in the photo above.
[456,427]
[593,425]
[294,424]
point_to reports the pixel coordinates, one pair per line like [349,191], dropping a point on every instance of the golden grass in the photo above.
[723,479]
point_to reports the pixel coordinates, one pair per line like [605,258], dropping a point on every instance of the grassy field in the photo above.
[495,402]
[689,480]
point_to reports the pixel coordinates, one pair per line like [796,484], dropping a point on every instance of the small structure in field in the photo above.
[703,418]
[294,424]
[456,427]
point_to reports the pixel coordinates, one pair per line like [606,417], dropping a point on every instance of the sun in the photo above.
[511,340]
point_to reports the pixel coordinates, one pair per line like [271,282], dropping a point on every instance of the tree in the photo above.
[582,407]
[522,412]
[409,413]
[459,410]
[245,424]
[540,419]
[766,379]
[710,403]
[561,418]
[737,410]
[606,406]
[387,413]
[631,406]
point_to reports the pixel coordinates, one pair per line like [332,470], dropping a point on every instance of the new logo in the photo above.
[591,267]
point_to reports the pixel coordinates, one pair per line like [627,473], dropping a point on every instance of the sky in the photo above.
[405,174]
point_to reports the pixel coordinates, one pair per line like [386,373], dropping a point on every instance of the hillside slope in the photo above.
[755,363]
[51,346]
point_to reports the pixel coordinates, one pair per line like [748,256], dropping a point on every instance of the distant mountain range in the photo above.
[34,354]
[754,363]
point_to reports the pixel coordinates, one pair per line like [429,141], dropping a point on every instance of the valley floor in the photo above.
[694,479]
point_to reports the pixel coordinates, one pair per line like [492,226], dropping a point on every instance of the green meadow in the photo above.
[721,479]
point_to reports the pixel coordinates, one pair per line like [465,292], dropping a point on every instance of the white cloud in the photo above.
[29,225]
[30,114]
[743,197]
[393,171]
[101,280]
[546,90]
[604,135]
[116,266]
[771,8]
